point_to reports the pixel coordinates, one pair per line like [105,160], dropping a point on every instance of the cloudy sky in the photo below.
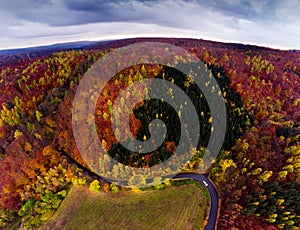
[273,23]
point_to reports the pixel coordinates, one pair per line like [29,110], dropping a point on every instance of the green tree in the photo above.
[95,186]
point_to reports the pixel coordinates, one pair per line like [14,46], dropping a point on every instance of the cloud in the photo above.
[267,22]
[75,12]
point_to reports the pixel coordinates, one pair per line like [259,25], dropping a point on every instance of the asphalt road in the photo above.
[213,212]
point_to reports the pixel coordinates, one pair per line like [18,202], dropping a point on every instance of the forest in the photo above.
[257,172]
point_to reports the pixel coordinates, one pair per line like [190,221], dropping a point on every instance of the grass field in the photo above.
[175,207]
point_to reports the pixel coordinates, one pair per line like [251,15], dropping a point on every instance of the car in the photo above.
[205,183]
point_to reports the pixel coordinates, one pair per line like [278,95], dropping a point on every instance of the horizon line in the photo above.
[163,36]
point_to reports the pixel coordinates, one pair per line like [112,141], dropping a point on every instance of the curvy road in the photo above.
[214,200]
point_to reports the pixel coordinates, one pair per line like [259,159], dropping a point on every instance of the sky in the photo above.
[271,23]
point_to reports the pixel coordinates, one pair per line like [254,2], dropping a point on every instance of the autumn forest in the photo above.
[256,173]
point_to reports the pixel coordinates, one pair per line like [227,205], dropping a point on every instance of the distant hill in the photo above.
[14,55]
